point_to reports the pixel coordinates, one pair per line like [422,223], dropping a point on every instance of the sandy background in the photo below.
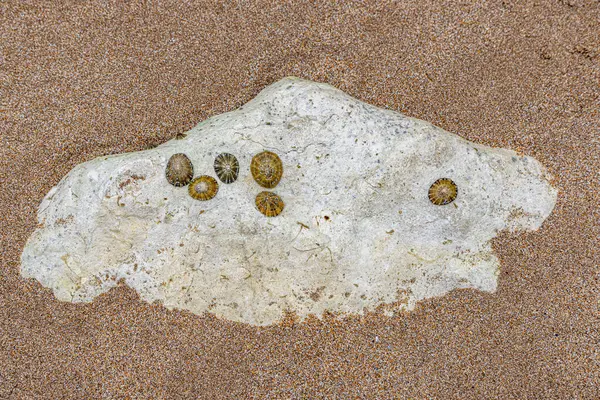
[81,81]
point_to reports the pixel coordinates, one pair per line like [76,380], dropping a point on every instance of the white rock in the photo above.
[357,231]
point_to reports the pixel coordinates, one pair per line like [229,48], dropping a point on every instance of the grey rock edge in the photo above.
[357,231]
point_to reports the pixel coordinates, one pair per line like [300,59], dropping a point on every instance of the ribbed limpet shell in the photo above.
[179,171]
[269,204]
[203,188]
[443,191]
[267,169]
[227,167]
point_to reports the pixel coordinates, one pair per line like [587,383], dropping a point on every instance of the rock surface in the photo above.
[357,231]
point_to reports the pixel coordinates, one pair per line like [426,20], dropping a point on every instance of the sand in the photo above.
[81,81]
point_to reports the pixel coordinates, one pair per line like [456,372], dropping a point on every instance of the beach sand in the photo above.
[86,80]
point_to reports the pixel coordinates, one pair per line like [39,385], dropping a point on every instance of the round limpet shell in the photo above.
[443,191]
[179,171]
[269,204]
[267,169]
[203,188]
[227,167]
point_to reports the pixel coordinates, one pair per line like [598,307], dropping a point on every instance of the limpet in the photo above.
[269,204]
[227,167]
[443,191]
[179,171]
[267,169]
[203,188]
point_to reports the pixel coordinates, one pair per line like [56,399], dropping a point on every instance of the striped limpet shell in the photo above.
[443,191]
[227,167]
[203,188]
[267,169]
[269,204]
[179,171]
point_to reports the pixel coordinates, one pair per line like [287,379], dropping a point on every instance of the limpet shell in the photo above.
[203,188]
[227,167]
[269,204]
[267,169]
[443,191]
[179,171]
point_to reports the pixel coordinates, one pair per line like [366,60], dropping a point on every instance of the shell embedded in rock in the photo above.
[179,171]
[443,191]
[203,188]
[267,169]
[269,204]
[227,167]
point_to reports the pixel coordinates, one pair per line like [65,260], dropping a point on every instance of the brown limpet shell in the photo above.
[203,188]
[227,167]
[267,169]
[269,204]
[443,191]
[179,171]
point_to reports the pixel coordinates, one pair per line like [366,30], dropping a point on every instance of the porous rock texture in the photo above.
[357,232]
